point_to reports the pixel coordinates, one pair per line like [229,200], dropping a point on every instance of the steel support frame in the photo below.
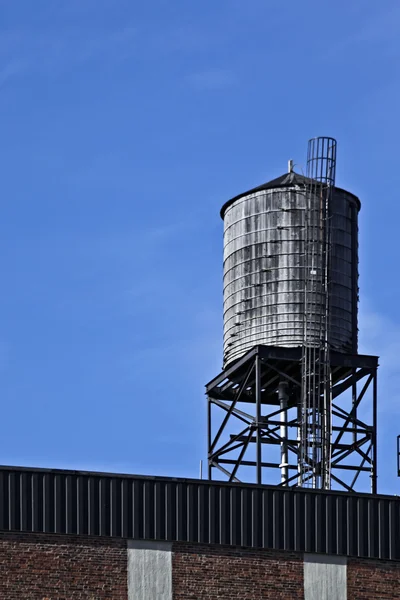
[253,381]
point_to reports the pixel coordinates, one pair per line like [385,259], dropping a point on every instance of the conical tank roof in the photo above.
[291,179]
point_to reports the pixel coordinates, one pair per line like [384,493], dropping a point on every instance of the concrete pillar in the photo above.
[149,570]
[325,577]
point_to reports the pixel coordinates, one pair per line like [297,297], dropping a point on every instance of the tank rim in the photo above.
[285,181]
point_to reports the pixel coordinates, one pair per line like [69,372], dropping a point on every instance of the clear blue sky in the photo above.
[123,128]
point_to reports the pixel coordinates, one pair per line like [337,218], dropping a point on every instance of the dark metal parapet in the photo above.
[71,502]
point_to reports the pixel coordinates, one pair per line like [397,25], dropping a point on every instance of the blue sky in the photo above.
[124,126]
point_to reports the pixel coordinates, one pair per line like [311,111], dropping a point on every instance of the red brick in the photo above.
[202,572]
[62,567]
[373,579]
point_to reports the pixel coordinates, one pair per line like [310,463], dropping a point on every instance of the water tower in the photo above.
[294,394]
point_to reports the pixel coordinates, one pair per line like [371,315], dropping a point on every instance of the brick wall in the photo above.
[223,572]
[373,579]
[52,567]
[70,567]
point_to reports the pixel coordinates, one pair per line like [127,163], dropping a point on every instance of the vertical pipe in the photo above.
[209,467]
[374,474]
[354,277]
[283,404]
[328,429]
[354,405]
[258,418]
[299,442]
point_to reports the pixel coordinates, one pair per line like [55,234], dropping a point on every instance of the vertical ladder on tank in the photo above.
[315,434]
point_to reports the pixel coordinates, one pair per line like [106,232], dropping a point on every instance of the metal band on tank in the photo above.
[267,229]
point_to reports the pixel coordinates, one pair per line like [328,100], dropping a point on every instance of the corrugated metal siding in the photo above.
[264,271]
[198,511]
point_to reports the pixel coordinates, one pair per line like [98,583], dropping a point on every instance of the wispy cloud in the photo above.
[10,70]
[76,46]
[380,27]
[3,356]
[212,79]
[376,30]
[379,335]
[54,51]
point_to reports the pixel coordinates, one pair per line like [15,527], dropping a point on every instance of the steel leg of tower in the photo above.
[247,418]
[398,455]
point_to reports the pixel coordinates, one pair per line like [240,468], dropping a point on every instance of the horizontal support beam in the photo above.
[295,423]
[351,468]
[278,440]
[271,353]
[250,463]
[228,395]
[265,440]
